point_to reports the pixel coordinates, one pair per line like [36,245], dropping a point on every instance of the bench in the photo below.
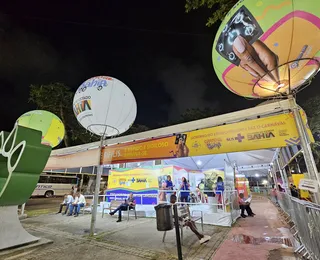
[88,207]
[114,204]
[184,213]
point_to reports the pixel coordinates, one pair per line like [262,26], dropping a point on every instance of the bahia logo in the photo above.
[261,135]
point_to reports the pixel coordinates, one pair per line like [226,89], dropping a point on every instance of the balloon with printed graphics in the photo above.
[49,124]
[267,48]
[105,106]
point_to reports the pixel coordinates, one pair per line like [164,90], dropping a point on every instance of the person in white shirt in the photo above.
[68,199]
[189,223]
[79,202]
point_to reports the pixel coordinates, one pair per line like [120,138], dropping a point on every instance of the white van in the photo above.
[54,185]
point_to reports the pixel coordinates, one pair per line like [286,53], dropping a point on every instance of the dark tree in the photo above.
[58,98]
[219,8]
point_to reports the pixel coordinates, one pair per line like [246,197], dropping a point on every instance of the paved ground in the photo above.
[260,237]
[250,238]
[136,239]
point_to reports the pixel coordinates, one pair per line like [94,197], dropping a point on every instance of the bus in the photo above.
[54,185]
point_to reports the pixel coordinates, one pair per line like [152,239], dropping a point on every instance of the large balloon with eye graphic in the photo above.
[49,124]
[267,48]
[105,106]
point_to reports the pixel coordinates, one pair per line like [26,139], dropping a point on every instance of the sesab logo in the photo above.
[238,138]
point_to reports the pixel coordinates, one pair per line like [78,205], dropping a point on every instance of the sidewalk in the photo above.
[261,237]
[136,239]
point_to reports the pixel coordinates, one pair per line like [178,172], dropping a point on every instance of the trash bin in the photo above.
[164,217]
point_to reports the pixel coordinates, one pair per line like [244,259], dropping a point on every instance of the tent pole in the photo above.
[284,178]
[96,191]
[312,171]
[274,176]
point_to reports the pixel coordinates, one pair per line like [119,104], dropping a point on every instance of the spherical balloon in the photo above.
[268,48]
[48,123]
[105,106]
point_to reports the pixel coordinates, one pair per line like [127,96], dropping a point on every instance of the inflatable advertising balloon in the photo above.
[266,48]
[105,106]
[48,123]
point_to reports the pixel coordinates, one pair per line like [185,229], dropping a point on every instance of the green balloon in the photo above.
[48,123]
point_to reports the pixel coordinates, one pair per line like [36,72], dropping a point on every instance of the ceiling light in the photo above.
[199,162]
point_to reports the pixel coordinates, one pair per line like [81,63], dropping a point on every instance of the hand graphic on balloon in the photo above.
[257,59]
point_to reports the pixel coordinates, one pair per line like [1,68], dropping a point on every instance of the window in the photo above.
[58,179]
[43,179]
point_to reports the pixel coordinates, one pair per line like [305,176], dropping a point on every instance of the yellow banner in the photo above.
[138,179]
[304,194]
[269,132]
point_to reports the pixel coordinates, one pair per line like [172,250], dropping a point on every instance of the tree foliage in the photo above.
[312,109]
[193,114]
[58,98]
[220,8]
[136,128]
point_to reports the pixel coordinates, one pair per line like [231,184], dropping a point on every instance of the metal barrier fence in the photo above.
[229,202]
[306,219]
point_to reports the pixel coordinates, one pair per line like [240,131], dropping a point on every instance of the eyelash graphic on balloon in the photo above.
[239,44]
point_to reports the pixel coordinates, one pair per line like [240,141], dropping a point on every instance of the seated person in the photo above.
[68,199]
[79,202]
[244,205]
[129,202]
[294,191]
[190,223]
[162,194]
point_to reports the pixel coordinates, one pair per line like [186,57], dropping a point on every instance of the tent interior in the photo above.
[247,163]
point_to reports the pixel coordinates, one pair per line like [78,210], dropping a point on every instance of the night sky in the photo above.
[159,51]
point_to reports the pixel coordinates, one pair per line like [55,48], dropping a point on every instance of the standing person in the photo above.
[219,191]
[129,202]
[169,186]
[184,190]
[274,194]
[68,199]
[280,188]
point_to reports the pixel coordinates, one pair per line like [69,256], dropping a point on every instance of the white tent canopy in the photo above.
[247,163]
[246,114]
[244,161]
[248,160]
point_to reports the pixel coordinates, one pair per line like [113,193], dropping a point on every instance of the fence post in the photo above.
[22,208]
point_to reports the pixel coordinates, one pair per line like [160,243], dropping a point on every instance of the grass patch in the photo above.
[38,212]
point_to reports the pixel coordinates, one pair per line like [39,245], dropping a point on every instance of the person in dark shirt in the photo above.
[294,191]
[129,202]
[184,190]
[169,186]
[244,205]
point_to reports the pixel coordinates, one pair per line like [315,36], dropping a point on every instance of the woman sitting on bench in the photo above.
[190,223]
[128,204]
